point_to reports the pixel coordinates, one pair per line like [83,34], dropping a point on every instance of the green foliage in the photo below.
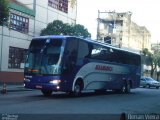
[146,52]
[57,27]
[4,11]
[157,54]
[159,62]
[148,57]
[151,59]
[80,31]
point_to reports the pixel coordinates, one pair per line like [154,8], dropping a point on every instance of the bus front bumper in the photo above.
[44,86]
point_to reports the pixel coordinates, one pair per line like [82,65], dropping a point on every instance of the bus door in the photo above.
[69,61]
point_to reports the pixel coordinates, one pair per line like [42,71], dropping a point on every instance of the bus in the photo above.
[72,65]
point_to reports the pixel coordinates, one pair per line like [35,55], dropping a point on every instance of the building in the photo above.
[119,30]
[27,18]
[155,47]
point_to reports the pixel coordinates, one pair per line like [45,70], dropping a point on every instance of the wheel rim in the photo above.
[77,89]
[126,88]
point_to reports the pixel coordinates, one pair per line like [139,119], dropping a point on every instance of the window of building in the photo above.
[16,57]
[19,23]
[61,5]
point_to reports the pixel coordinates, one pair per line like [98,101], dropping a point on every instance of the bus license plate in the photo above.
[38,86]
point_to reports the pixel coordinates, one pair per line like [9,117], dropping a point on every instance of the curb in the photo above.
[14,88]
[19,90]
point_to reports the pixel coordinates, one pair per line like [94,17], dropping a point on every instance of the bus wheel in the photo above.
[77,89]
[46,92]
[126,88]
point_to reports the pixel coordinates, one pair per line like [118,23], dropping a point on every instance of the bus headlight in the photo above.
[27,80]
[55,82]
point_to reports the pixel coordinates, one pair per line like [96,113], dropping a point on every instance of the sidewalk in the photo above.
[14,87]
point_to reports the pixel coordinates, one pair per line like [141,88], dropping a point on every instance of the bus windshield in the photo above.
[44,57]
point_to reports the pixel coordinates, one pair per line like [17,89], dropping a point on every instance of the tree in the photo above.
[57,27]
[4,11]
[80,31]
[147,57]
[158,64]
[151,59]
[54,28]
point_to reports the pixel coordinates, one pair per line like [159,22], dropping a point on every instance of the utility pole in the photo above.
[114,21]
[98,25]
[34,9]
[2,44]
[129,31]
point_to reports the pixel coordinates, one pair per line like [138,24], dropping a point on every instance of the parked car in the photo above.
[149,82]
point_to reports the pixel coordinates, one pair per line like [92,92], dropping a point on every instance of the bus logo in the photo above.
[101,67]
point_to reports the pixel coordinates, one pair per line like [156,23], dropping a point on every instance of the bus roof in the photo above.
[52,36]
[88,40]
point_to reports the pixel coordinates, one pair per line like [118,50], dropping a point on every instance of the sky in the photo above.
[144,13]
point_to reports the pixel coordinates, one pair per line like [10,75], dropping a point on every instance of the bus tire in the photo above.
[46,92]
[126,88]
[77,89]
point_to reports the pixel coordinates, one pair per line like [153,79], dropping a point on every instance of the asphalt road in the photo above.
[140,101]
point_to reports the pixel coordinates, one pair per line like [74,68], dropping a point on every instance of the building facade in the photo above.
[26,19]
[155,46]
[121,31]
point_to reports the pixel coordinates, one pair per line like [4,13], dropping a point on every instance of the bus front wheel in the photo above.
[46,92]
[77,89]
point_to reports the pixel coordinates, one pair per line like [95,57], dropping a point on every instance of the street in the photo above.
[141,100]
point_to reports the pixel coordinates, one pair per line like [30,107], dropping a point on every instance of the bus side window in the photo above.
[73,56]
[70,54]
[83,53]
[100,53]
[95,54]
[90,47]
[107,54]
[83,50]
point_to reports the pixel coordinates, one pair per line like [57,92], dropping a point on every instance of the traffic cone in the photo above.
[4,90]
